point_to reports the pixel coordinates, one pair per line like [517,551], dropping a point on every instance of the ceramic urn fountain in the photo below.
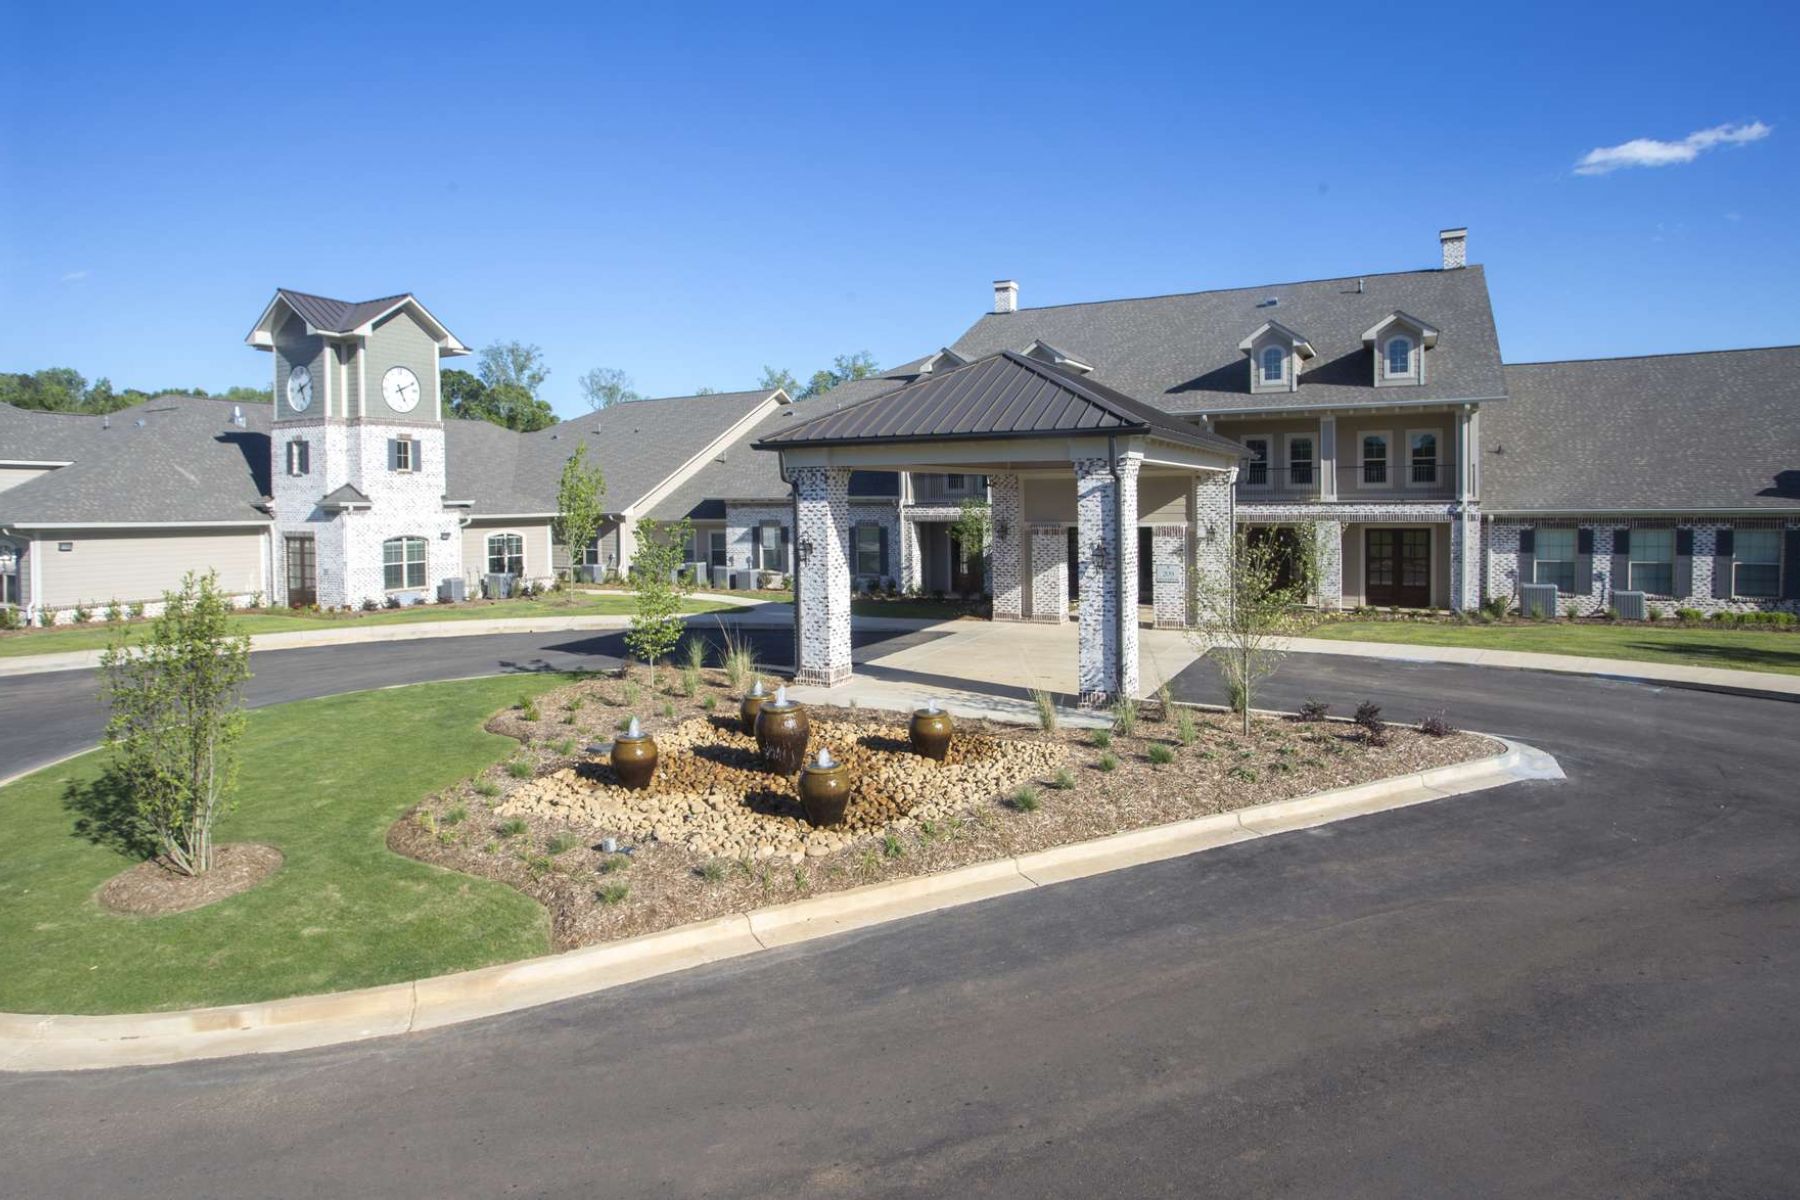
[634,757]
[825,789]
[781,733]
[753,702]
[930,731]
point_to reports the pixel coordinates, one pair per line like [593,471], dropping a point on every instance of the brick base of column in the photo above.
[823,678]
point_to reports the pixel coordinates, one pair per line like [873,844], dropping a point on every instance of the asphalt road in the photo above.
[1583,988]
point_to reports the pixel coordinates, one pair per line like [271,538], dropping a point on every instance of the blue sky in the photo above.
[689,193]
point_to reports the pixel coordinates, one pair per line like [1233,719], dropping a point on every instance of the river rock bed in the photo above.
[713,795]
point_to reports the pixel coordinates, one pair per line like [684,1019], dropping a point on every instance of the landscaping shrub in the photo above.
[1186,729]
[1244,773]
[1160,755]
[519,768]
[1165,702]
[612,864]
[1689,616]
[1101,738]
[1063,780]
[562,843]
[1496,607]
[487,787]
[512,827]
[711,871]
[1314,710]
[891,846]
[457,815]
[1368,719]
[614,892]
[1045,703]
[1436,726]
[1125,715]
[1106,763]
[528,709]
[81,614]
[1023,799]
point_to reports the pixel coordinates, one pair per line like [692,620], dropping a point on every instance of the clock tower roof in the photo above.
[345,318]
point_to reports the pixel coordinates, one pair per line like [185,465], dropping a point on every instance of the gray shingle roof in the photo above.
[636,446]
[1667,432]
[1180,353]
[750,474]
[31,435]
[1002,395]
[171,459]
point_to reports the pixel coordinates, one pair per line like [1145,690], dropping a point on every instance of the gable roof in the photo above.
[33,435]
[741,473]
[172,460]
[1180,353]
[1004,395]
[1669,432]
[323,314]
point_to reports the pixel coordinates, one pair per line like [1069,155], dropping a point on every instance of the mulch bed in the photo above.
[151,889]
[652,884]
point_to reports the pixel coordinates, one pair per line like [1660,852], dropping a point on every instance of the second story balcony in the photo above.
[1347,463]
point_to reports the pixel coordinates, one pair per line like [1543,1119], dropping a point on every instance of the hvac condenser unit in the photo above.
[1537,599]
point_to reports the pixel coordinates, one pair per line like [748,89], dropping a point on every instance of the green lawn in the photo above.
[1700,646]
[927,610]
[94,636]
[322,781]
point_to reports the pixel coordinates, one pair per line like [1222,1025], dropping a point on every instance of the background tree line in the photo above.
[64,389]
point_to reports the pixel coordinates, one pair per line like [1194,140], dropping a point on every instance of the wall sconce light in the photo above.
[1100,558]
[1212,534]
[806,549]
[1000,530]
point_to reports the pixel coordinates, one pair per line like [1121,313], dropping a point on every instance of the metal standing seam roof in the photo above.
[337,316]
[1004,395]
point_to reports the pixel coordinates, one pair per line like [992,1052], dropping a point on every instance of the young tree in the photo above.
[971,529]
[607,386]
[1243,610]
[177,716]
[578,507]
[656,625]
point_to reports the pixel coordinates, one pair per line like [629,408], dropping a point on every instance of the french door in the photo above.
[1397,568]
[302,572]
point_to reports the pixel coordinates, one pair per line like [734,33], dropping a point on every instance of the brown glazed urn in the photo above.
[634,757]
[781,733]
[930,731]
[753,702]
[825,790]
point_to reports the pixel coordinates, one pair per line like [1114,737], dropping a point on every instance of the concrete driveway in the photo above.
[1573,989]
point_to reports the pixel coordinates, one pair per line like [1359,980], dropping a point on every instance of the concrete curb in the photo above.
[31,1042]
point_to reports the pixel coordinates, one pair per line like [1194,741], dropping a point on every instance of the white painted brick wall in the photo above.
[822,583]
[1005,569]
[1108,566]
[1049,574]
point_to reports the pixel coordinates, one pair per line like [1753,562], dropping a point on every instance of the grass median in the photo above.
[96,634]
[1684,645]
[322,781]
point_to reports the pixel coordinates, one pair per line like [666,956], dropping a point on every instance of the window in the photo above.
[403,563]
[299,457]
[715,549]
[1375,459]
[1272,364]
[1300,461]
[768,548]
[1256,471]
[1424,451]
[868,550]
[1756,571]
[1555,561]
[956,483]
[405,459]
[505,554]
[9,573]
[1651,562]
[1399,356]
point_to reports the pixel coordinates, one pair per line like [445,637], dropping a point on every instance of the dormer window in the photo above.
[1043,351]
[1399,342]
[1275,353]
[1274,364]
[1399,357]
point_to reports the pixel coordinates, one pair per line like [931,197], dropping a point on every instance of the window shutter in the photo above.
[1527,554]
[882,534]
[787,549]
[1621,560]
[416,453]
[306,458]
[1790,565]
[1584,562]
[1528,541]
[393,454]
[1684,563]
[1724,553]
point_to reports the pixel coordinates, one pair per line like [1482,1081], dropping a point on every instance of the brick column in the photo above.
[822,581]
[1003,556]
[1049,574]
[1328,546]
[1108,564]
[1169,576]
[912,570]
[1212,532]
[1465,558]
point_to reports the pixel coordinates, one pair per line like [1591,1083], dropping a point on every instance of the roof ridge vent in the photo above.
[1271,302]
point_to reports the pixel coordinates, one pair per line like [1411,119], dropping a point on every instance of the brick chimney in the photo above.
[1006,295]
[1456,247]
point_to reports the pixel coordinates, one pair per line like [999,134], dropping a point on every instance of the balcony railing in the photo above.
[1422,480]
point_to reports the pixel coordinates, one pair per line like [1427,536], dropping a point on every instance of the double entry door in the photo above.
[1397,566]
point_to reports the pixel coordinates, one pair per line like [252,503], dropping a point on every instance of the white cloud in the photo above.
[1650,152]
[75,276]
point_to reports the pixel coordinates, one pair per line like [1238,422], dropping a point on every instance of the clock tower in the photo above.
[357,450]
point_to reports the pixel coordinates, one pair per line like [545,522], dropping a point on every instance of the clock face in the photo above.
[400,388]
[299,388]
